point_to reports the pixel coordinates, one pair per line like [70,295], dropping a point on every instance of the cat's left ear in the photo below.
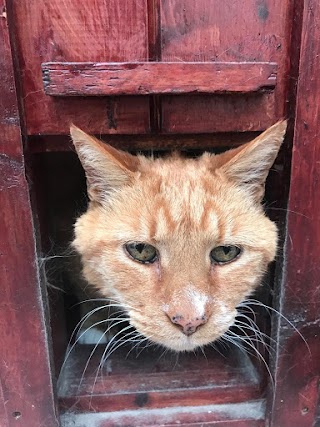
[248,166]
[107,169]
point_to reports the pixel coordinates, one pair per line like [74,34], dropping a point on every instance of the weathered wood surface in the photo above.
[216,30]
[168,31]
[297,371]
[249,414]
[150,381]
[148,78]
[73,31]
[26,391]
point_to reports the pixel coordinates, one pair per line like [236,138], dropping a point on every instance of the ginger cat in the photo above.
[179,243]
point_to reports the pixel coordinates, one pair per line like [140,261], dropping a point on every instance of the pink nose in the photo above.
[188,326]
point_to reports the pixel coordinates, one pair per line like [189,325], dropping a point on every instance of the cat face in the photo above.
[178,242]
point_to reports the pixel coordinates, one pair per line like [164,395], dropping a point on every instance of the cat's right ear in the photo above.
[248,165]
[107,169]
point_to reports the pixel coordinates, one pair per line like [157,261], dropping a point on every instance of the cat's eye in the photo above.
[224,254]
[142,252]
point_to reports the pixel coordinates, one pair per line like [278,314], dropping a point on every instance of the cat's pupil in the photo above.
[140,247]
[224,254]
[141,252]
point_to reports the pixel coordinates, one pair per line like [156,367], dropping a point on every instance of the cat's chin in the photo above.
[183,343]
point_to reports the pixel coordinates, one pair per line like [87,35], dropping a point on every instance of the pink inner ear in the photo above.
[118,157]
[249,165]
[106,168]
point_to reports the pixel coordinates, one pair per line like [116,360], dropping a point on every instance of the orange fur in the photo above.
[185,208]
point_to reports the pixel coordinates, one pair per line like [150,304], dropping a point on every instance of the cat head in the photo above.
[178,242]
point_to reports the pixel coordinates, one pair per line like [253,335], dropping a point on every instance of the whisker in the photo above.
[96,346]
[242,305]
[267,307]
[85,331]
[258,355]
[255,328]
[232,340]
[216,349]
[288,210]
[103,358]
[86,317]
[255,337]
[142,340]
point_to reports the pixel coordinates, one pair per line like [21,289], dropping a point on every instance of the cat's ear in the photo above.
[107,169]
[248,166]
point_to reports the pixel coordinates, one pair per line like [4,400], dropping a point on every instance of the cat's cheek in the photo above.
[136,282]
[240,274]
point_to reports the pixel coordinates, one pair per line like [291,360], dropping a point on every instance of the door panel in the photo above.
[180,32]
[73,30]
[218,30]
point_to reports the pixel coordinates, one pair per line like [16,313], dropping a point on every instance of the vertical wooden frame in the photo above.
[26,391]
[294,400]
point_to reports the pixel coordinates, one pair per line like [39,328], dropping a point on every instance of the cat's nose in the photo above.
[188,325]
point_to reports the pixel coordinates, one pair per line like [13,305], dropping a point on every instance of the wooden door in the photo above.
[160,74]
[192,67]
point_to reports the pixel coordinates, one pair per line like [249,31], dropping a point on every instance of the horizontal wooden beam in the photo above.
[147,78]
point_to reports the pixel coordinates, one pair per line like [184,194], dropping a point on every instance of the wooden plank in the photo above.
[297,371]
[216,30]
[193,380]
[52,143]
[80,30]
[148,78]
[217,113]
[26,385]
[248,414]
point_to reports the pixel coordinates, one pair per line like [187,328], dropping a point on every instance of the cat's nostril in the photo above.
[177,319]
[188,326]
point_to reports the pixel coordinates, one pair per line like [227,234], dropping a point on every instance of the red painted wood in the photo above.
[249,414]
[297,371]
[217,113]
[152,381]
[119,33]
[183,32]
[26,390]
[216,30]
[80,30]
[147,78]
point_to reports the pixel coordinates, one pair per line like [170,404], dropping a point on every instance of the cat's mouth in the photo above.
[174,339]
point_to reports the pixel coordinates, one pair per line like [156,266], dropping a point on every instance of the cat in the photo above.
[177,242]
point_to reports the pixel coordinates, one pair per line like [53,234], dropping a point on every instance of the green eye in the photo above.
[142,252]
[224,254]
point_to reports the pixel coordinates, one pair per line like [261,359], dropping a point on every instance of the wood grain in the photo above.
[249,414]
[80,30]
[297,371]
[26,390]
[148,78]
[216,30]
[69,31]
[195,380]
[217,113]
